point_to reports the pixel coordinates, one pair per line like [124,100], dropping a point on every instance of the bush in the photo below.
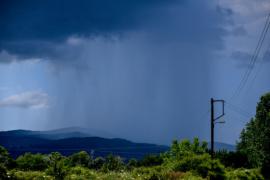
[150,173]
[247,174]
[132,163]
[189,176]
[35,162]
[113,163]
[201,165]
[81,173]
[29,175]
[6,159]
[80,159]
[185,147]
[3,172]
[97,163]
[215,171]
[151,160]
[233,159]
[58,166]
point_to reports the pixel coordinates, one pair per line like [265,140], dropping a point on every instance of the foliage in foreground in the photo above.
[255,138]
[239,174]
[193,157]
[82,173]
[185,160]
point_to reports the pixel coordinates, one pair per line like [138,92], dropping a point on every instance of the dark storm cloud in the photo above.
[31,19]
[25,25]
[39,29]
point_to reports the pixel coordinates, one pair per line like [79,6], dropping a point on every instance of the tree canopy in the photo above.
[255,137]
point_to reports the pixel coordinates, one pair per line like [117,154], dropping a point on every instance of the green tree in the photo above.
[5,158]
[97,163]
[3,172]
[113,163]
[34,162]
[151,160]
[192,156]
[58,166]
[80,159]
[233,159]
[185,147]
[132,163]
[255,137]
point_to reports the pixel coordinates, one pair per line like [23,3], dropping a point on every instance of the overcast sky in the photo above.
[143,70]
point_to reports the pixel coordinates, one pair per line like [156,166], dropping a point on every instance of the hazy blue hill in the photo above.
[58,133]
[71,140]
[66,141]
[18,132]
[221,146]
[82,132]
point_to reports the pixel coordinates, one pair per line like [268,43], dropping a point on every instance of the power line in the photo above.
[239,112]
[258,70]
[244,122]
[239,109]
[253,58]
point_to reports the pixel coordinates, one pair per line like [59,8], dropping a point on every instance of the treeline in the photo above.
[185,159]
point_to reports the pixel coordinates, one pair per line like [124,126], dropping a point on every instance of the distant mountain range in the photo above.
[70,140]
[221,146]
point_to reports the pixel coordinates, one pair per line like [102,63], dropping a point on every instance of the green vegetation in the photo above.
[34,162]
[255,138]
[184,160]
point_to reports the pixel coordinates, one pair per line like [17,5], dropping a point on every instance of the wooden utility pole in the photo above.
[213,121]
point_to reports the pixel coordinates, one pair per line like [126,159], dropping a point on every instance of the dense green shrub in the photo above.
[97,163]
[150,160]
[35,162]
[113,163]
[150,173]
[29,175]
[132,163]
[80,159]
[186,156]
[81,173]
[6,159]
[215,171]
[199,164]
[3,172]
[244,174]
[58,166]
[184,148]
[233,159]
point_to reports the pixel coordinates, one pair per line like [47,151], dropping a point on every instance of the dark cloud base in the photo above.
[39,29]
[55,20]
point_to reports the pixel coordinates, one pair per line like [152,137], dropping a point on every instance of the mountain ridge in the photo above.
[20,141]
[70,140]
